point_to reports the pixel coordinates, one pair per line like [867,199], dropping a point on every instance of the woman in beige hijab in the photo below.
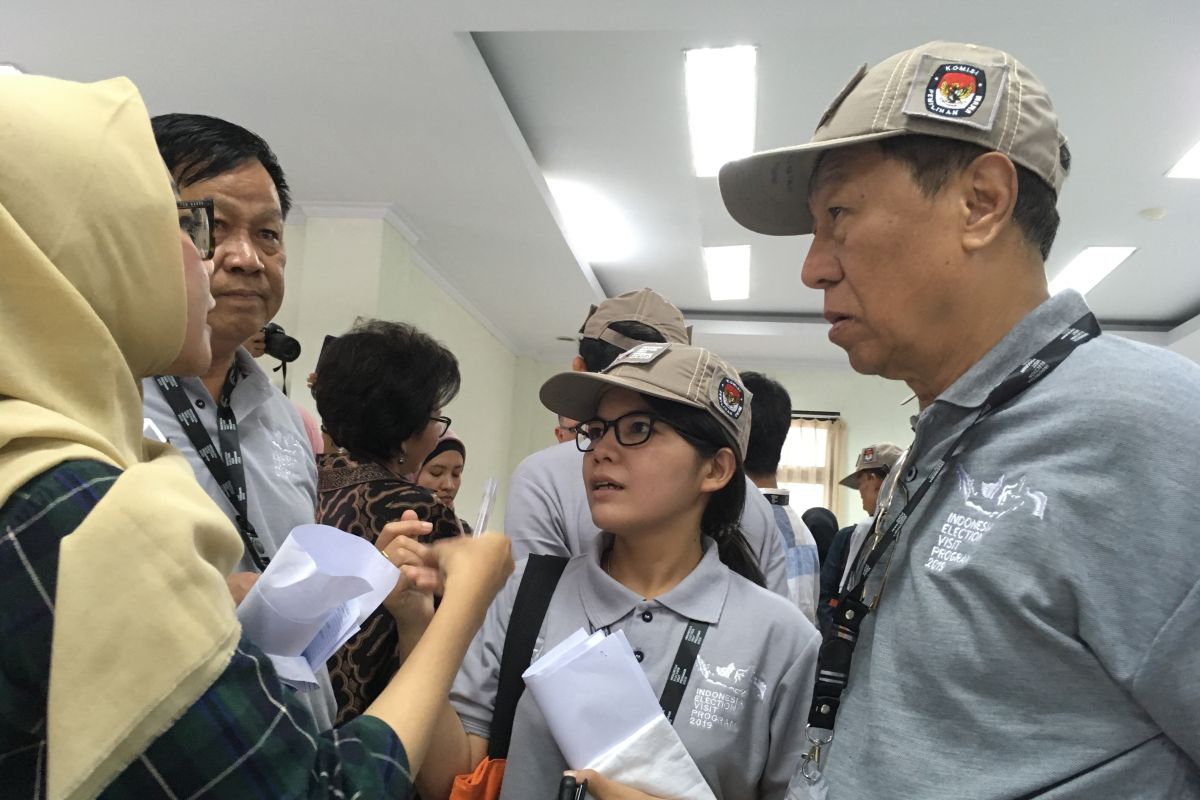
[123,671]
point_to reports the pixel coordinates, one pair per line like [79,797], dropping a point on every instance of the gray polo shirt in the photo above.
[547,513]
[281,471]
[742,715]
[1039,632]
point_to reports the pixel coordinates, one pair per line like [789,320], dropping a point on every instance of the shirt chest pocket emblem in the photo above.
[1001,497]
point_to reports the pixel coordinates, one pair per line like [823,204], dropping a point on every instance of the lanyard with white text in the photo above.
[225,464]
[849,610]
[681,669]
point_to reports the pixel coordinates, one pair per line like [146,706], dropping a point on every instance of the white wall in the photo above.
[340,269]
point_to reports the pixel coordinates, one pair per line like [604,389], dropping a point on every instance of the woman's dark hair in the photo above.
[378,385]
[598,354]
[723,514]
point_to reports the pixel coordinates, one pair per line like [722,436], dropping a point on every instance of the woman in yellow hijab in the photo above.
[123,671]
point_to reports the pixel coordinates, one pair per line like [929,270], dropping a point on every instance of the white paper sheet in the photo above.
[593,695]
[314,595]
[654,760]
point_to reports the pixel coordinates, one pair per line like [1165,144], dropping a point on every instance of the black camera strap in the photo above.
[224,464]
[849,610]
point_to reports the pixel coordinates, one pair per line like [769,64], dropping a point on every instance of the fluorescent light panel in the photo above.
[721,87]
[728,272]
[1188,166]
[1089,268]
[596,226]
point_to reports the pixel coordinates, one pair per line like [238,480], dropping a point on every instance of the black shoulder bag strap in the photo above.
[529,609]
[225,464]
[849,609]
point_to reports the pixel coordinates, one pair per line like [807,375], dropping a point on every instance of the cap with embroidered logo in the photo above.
[645,306]
[683,373]
[882,456]
[956,91]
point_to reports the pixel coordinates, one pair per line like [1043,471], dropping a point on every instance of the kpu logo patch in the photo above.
[731,397]
[956,90]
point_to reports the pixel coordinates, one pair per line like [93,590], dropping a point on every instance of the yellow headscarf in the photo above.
[92,298]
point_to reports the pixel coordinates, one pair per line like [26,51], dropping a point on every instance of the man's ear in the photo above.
[578,364]
[989,193]
[719,470]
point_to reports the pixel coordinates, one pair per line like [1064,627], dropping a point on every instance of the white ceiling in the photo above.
[449,112]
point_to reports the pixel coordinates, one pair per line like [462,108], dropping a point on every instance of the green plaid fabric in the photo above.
[245,738]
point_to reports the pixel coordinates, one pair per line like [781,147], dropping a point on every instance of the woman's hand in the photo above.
[411,602]
[601,788]
[475,567]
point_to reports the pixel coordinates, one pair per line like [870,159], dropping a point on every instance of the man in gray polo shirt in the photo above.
[1037,627]
[547,510]
[266,443]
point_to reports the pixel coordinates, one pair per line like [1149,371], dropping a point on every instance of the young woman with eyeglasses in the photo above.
[664,431]
[380,390]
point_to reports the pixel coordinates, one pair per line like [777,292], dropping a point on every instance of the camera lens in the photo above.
[277,344]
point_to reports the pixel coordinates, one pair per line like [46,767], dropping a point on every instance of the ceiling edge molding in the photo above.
[521,147]
[411,235]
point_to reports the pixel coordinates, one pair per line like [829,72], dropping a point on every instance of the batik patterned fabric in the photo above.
[360,497]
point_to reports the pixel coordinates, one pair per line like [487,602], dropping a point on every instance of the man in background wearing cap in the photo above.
[871,469]
[1017,640]
[873,465]
[547,510]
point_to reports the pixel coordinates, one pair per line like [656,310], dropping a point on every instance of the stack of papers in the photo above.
[604,716]
[313,596]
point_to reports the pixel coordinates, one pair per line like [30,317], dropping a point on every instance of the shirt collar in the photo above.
[254,385]
[1028,336]
[700,596]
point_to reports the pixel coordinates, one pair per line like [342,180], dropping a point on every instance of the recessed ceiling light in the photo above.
[1188,166]
[728,272]
[721,89]
[10,69]
[595,226]
[1089,268]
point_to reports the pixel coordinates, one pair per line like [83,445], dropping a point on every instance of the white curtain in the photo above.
[808,466]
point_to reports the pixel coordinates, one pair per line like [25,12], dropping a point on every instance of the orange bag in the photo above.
[482,784]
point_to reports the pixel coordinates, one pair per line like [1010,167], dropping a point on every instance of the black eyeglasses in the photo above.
[197,221]
[444,422]
[630,429]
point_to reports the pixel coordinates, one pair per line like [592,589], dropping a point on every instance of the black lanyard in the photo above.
[681,668]
[225,464]
[833,662]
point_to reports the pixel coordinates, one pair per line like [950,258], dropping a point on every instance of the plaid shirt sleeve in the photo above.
[246,737]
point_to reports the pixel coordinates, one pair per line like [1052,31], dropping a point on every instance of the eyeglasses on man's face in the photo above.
[196,219]
[630,429]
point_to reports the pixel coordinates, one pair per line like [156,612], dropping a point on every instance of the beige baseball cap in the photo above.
[645,306]
[878,456]
[684,373]
[957,91]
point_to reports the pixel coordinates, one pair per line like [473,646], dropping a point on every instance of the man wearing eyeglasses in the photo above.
[245,440]
[1023,619]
